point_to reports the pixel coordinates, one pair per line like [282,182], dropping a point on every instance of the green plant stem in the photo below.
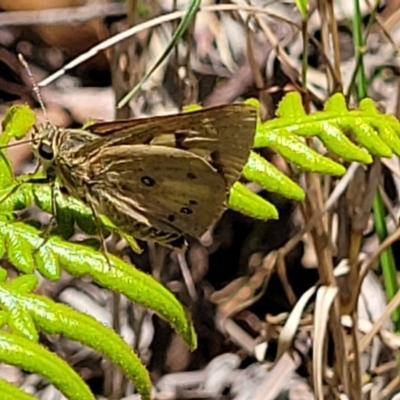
[386,257]
[359,52]
[304,26]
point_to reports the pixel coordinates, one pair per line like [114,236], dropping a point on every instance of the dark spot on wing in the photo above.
[171,218]
[186,210]
[193,202]
[191,175]
[148,181]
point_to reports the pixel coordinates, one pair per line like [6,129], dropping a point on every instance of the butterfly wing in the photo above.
[158,178]
[223,135]
[171,189]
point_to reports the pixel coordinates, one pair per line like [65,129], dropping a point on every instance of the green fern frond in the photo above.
[377,133]
[341,130]
[23,246]
[29,313]
[10,392]
[32,357]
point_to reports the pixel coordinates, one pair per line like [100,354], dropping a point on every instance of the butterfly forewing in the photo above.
[225,132]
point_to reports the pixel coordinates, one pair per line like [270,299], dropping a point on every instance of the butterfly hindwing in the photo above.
[174,189]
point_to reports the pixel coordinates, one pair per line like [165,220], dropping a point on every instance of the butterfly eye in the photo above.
[45,151]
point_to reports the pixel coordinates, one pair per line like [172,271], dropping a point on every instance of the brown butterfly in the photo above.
[157,178]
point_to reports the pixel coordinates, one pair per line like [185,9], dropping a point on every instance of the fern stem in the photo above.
[359,51]
[386,257]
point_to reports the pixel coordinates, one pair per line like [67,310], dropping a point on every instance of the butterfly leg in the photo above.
[99,229]
[34,180]
[53,219]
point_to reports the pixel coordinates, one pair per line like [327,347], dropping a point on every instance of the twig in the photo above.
[146,25]
[187,277]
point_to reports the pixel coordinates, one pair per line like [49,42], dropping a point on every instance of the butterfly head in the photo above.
[44,143]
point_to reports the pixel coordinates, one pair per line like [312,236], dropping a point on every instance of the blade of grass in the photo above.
[180,30]
[386,258]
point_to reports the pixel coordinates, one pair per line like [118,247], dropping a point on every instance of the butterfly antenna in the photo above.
[33,83]
[16,144]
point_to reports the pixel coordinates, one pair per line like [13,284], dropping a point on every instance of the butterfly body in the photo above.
[157,178]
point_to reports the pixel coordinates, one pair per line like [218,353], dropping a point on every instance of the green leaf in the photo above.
[79,261]
[32,357]
[269,177]
[387,125]
[293,149]
[191,108]
[10,392]
[17,122]
[6,177]
[333,138]
[302,6]
[245,201]
[19,250]
[15,196]
[53,318]
[377,133]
